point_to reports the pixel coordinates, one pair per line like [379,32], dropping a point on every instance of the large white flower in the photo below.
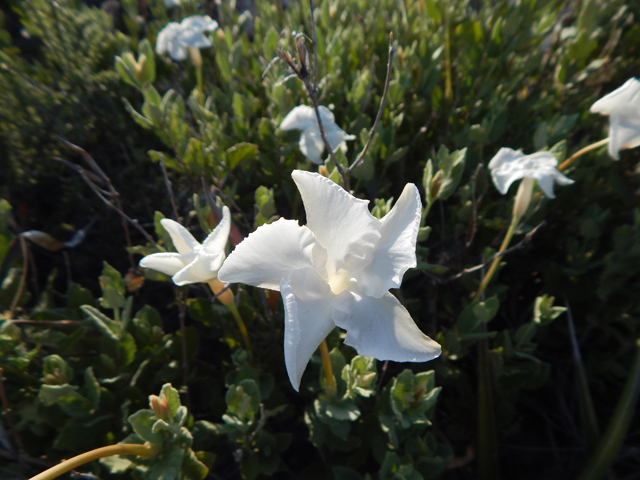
[176,38]
[623,106]
[337,270]
[194,263]
[510,165]
[311,145]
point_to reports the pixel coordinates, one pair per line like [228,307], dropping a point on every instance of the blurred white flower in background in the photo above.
[623,108]
[311,145]
[509,165]
[176,38]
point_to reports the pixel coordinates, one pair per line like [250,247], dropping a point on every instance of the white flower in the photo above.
[172,3]
[193,263]
[176,38]
[311,145]
[623,106]
[337,270]
[510,165]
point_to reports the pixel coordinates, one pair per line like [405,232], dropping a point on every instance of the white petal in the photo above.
[395,252]
[217,239]
[301,117]
[624,130]
[166,37]
[382,328]
[177,51]
[202,268]
[505,155]
[180,236]
[270,253]
[167,263]
[626,95]
[203,23]
[539,160]
[307,306]
[545,182]
[341,223]
[311,146]
[195,38]
[186,275]
[503,178]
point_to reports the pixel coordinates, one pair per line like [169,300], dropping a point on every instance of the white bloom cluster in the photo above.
[176,38]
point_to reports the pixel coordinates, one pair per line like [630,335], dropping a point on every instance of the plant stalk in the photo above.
[564,165]
[225,296]
[609,444]
[75,462]
[330,385]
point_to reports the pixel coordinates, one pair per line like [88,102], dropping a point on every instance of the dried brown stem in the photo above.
[358,161]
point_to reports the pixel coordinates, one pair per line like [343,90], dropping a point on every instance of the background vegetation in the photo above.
[85,339]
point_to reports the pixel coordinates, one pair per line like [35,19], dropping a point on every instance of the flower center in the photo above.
[339,281]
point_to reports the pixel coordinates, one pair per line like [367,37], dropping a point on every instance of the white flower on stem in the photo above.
[623,108]
[337,270]
[510,165]
[194,262]
[176,38]
[311,145]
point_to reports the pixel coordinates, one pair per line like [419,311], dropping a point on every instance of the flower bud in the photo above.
[322,170]
[159,406]
[523,198]
[436,183]
[139,69]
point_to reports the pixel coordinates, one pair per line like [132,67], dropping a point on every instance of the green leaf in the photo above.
[113,288]
[56,370]
[243,399]
[265,206]
[477,313]
[239,153]
[107,326]
[192,467]
[66,397]
[78,296]
[360,376]
[142,423]
[149,70]
[167,467]
[172,397]
[544,312]
[92,387]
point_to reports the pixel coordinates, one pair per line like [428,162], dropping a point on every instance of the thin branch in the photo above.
[527,238]
[48,323]
[23,278]
[383,101]
[112,191]
[89,178]
[167,184]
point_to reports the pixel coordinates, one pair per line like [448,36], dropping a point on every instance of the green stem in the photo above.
[241,326]
[605,453]
[564,165]
[75,462]
[487,441]
[329,379]
[494,264]
[196,59]
[448,88]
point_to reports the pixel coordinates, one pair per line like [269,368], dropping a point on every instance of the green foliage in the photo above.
[82,351]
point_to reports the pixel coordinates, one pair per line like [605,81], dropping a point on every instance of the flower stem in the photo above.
[564,165]
[609,444]
[196,59]
[75,462]
[329,379]
[226,298]
[494,264]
